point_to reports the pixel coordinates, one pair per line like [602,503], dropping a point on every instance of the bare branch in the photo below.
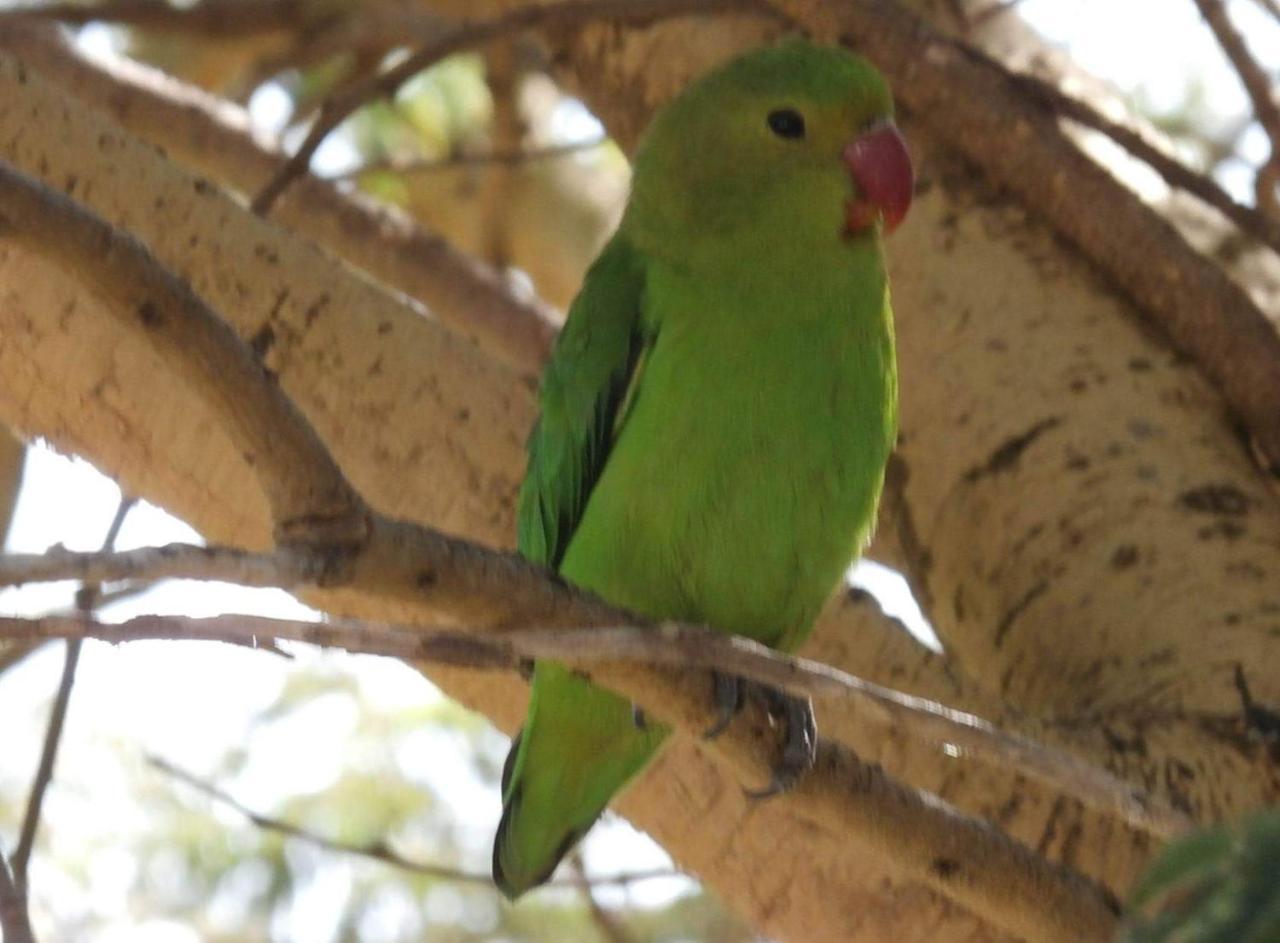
[15,924]
[308,493]
[667,644]
[1263,228]
[224,19]
[985,869]
[1258,86]
[609,928]
[85,600]
[378,850]
[566,13]
[488,159]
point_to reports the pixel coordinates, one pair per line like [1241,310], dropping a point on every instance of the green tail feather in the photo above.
[578,748]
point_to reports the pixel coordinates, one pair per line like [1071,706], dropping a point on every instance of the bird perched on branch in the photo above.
[718,410]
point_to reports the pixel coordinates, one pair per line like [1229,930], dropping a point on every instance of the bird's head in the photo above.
[797,136]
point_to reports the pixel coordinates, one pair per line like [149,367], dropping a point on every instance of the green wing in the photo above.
[592,368]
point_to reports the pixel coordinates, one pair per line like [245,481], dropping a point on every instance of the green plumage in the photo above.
[716,415]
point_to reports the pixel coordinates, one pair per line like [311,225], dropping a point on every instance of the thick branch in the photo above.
[214,137]
[307,491]
[975,106]
[965,858]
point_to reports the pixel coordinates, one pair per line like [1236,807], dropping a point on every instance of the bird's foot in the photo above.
[728,699]
[799,751]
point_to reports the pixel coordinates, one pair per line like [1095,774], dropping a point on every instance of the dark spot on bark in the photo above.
[266,254]
[1077,462]
[1077,386]
[1117,743]
[1246,570]
[1228,530]
[1258,718]
[1006,456]
[202,186]
[262,341]
[1164,656]
[426,579]
[149,314]
[281,297]
[384,327]
[944,868]
[1224,499]
[463,415]
[1139,364]
[1178,777]
[1017,610]
[1231,618]
[1126,555]
[309,316]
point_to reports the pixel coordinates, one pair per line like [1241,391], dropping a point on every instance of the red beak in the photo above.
[881,169]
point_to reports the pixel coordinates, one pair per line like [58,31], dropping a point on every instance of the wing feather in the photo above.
[592,370]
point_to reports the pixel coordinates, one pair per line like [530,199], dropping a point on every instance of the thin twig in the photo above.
[1263,228]
[15,924]
[605,922]
[1259,88]
[378,850]
[1271,6]
[85,601]
[566,13]
[491,158]
[668,644]
[223,19]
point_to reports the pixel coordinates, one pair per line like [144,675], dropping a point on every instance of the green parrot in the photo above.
[719,408]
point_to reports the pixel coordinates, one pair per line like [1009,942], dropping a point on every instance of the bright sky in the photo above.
[190,703]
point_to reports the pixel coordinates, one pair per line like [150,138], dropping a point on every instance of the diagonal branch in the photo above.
[15,924]
[213,137]
[306,489]
[559,15]
[1263,228]
[1259,88]
[85,600]
[378,850]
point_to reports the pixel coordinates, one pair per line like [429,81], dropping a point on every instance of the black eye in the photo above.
[786,123]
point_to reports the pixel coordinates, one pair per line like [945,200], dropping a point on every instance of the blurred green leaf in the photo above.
[1221,885]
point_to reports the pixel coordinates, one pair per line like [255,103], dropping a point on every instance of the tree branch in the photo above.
[1263,228]
[1258,86]
[308,494]
[977,108]
[15,924]
[967,859]
[223,19]
[86,598]
[558,15]
[667,644]
[378,850]
[214,137]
